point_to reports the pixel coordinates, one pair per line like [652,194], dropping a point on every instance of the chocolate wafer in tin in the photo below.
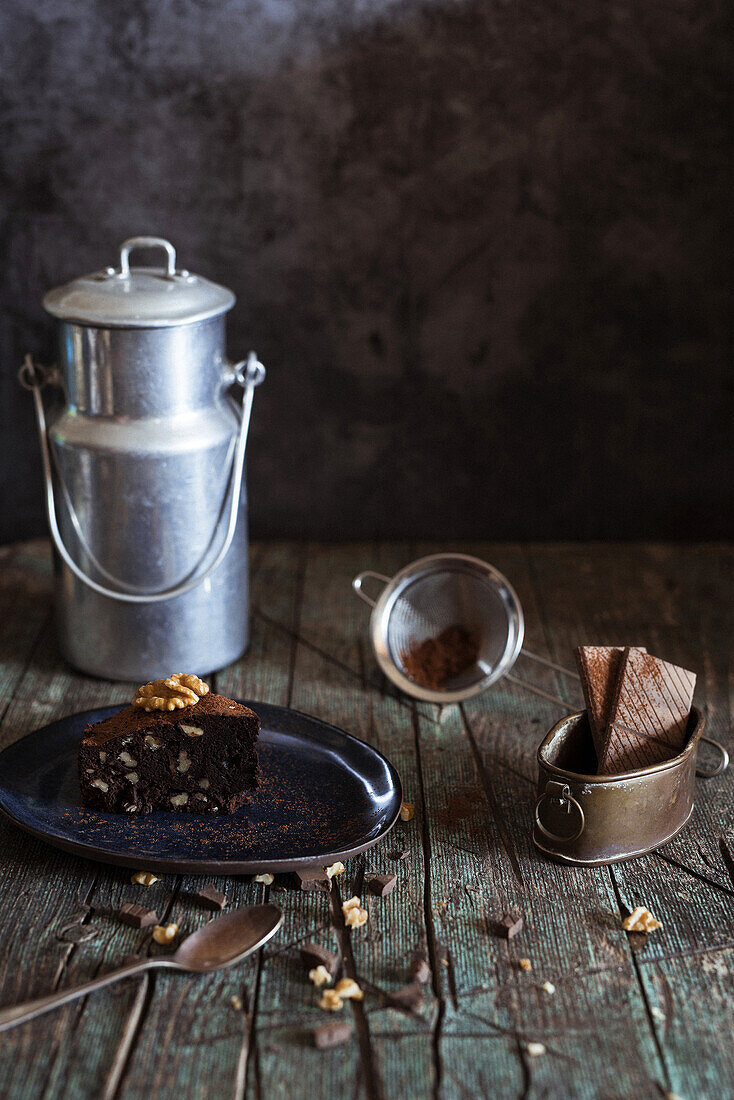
[649,715]
[598,667]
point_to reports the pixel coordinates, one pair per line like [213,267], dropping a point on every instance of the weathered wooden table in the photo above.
[625,1019]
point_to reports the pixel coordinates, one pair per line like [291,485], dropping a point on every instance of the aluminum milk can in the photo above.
[143,462]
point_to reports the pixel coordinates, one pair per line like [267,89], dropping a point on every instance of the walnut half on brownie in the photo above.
[177,747]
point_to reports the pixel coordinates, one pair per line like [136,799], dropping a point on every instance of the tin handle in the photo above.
[361,578]
[723,762]
[250,374]
[560,793]
[146,242]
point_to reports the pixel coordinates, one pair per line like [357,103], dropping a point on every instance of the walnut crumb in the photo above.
[330,1001]
[337,868]
[265,878]
[354,915]
[548,988]
[535,1049]
[640,920]
[349,990]
[144,878]
[165,933]
[319,976]
[406,811]
[236,1003]
[525,964]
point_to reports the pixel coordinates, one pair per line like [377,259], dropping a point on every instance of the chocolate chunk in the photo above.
[137,916]
[599,667]
[76,933]
[419,970]
[510,925]
[408,999]
[331,1035]
[313,955]
[382,885]
[312,879]
[399,854]
[649,717]
[211,897]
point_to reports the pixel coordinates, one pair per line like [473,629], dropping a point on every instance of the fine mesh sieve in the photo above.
[432,595]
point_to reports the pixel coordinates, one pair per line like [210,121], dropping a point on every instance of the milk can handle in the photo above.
[249,374]
[146,242]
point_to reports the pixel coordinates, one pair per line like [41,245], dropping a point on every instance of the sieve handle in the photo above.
[361,578]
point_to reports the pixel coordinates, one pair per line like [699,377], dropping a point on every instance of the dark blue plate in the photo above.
[324,796]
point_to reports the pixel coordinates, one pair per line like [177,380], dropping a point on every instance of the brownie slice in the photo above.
[199,758]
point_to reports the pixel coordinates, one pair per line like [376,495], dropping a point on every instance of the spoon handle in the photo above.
[18,1014]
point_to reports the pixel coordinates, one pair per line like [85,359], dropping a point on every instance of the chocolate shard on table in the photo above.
[408,999]
[510,925]
[178,747]
[648,722]
[211,897]
[137,916]
[382,885]
[331,1035]
[598,667]
[312,878]
[400,855]
[314,955]
[419,970]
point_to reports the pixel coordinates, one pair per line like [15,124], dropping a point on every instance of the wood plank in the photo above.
[692,1002]
[25,609]
[661,597]
[572,933]
[191,1037]
[332,674]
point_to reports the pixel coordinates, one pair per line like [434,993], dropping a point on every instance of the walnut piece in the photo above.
[330,1001]
[192,731]
[354,915]
[184,761]
[535,1049]
[407,810]
[640,920]
[525,964]
[265,878]
[101,785]
[165,933]
[180,690]
[319,975]
[348,989]
[144,878]
[337,868]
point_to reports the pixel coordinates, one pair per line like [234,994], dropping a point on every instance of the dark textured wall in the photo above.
[483,247]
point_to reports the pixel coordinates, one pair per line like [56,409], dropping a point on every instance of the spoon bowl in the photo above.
[228,939]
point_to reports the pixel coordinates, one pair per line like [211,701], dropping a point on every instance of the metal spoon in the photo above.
[223,942]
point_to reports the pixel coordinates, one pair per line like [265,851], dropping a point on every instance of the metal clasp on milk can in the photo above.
[147,454]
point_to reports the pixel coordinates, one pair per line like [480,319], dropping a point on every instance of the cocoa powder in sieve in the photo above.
[434,661]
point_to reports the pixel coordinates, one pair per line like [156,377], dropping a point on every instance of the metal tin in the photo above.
[591,820]
[143,461]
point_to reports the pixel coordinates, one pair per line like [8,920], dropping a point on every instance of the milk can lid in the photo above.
[139,297]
